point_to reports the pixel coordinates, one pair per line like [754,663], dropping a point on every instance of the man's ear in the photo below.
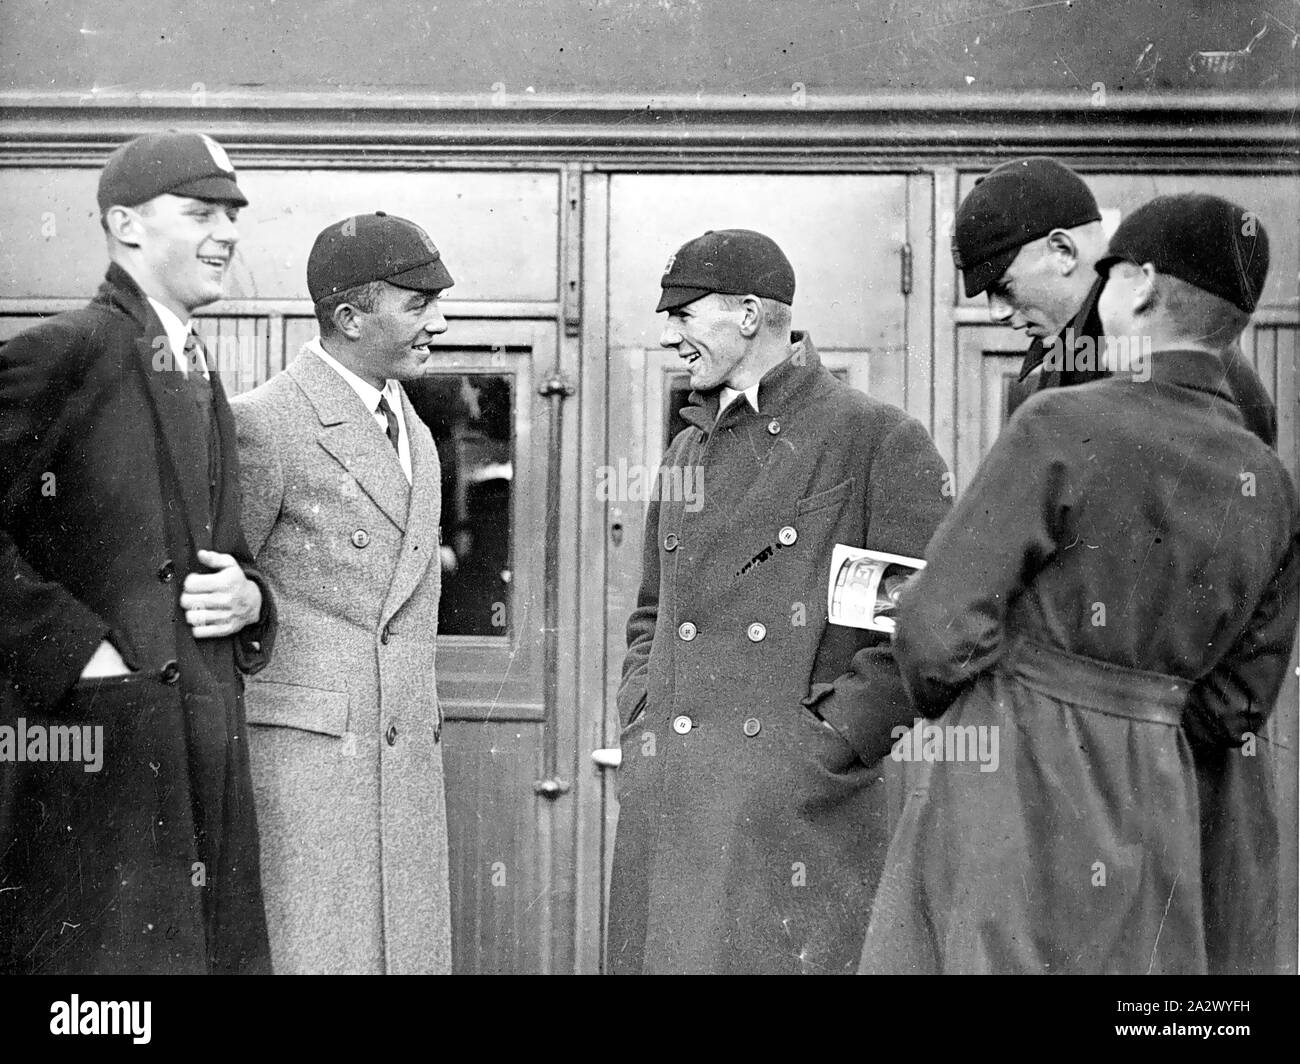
[123,225]
[347,320]
[1145,295]
[1064,251]
[751,316]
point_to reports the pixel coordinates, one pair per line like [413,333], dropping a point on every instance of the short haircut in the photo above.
[140,208]
[365,297]
[776,315]
[1197,314]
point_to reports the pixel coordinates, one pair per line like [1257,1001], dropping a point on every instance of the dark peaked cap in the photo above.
[1011,205]
[1203,240]
[736,262]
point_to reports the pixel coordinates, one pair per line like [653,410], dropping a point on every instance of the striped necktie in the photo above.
[391,418]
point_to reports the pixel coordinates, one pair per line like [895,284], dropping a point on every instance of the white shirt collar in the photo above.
[369,396]
[728,394]
[178,333]
[367,392]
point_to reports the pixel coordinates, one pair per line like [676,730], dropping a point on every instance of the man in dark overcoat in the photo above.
[752,817]
[1119,585]
[1029,235]
[129,606]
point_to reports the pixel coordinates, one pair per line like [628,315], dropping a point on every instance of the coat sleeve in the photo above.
[1257,409]
[907,498]
[261,489]
[1003,530]
[1239,693]
[641,624]
[47,634]
[261,475]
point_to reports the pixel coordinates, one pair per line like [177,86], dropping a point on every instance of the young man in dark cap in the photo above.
[342,494]
[1029,235]
[129,604]
[1119,585]
[752,817]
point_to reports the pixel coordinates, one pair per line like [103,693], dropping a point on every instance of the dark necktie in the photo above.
[200,387]
[391,418]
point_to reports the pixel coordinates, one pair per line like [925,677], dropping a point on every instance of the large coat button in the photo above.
[682,724]
[787,535]
[167,571]
[391,735]
[360,538]
[757,632]
[671,541]
[170,673]
[774,427]
[686,630]
[751,727]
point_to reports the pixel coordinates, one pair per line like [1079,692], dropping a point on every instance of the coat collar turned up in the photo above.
[776,391]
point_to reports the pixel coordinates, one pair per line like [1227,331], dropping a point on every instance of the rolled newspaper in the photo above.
[865,585]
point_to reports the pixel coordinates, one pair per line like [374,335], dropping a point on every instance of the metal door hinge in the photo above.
[905,269]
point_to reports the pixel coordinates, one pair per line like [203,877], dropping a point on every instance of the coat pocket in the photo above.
[822,499]
[286,705]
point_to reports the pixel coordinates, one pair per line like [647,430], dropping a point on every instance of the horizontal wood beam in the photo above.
[395,132]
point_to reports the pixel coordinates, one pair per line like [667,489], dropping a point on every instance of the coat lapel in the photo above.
[181,431]
[420,545]
[351,436]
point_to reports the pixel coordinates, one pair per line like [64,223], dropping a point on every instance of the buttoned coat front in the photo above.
[750,832]
[345,729]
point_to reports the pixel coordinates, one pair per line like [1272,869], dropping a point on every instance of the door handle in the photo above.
[609,757]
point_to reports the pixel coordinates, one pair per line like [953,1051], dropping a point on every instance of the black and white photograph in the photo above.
[650,487]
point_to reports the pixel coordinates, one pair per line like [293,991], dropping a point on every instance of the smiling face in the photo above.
[180,249]
[707,338]
[1034,294]
[397,333]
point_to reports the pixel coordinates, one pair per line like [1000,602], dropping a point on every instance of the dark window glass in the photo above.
[471,417]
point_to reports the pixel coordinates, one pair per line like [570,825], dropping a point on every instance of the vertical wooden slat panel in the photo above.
[499,890]
[297,331]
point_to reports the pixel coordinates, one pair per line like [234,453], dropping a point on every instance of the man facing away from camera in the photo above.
[129,601]
[752,814]
[1116,591]
[1029,234]
[342,494]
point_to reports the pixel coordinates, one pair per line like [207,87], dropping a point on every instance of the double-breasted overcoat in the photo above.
[345,724]
[751,831]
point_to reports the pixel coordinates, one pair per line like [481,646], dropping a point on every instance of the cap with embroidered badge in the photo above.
[1204,240]
[181,164]
[735,262]
[1011,205]
[374,247]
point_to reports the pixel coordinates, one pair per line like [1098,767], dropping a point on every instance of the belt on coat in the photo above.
[1097,685]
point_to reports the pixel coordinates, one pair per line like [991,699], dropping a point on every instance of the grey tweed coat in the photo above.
[345,728]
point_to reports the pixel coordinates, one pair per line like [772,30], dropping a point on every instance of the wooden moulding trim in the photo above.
[383,133]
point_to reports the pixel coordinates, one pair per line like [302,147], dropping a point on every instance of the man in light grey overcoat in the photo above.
[342,495]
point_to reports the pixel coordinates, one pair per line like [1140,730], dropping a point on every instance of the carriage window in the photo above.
[471,416]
